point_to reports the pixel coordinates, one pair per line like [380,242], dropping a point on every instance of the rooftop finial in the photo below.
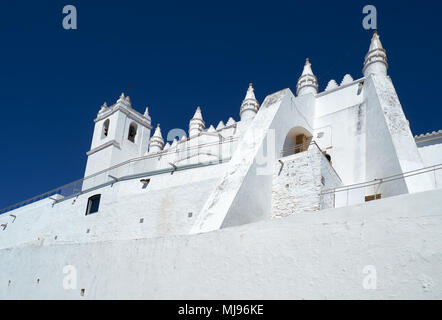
[250,105]
[198,115]
[307,82]
[103,107]
[156,142]
[196,124]
[376,59]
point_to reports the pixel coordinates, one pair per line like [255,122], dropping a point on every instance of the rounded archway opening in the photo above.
[132,132]
[297,140]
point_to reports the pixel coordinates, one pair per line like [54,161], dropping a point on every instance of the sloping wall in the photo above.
[391,148]
[243,195]
[308,256]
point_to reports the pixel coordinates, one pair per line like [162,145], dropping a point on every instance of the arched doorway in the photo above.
[297,140]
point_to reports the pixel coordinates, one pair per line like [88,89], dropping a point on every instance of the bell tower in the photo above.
[121,133]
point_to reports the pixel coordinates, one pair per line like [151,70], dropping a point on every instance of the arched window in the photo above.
[132,132]
[105,129]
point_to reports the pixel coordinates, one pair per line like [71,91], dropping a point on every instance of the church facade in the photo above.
[296,159]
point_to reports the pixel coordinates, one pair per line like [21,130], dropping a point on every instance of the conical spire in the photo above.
[376,59]
[307,68]
[198,114]
[250,105]
[156,142]
[250,92]
[196,124]
[375,42]
[307,82]
[158,132]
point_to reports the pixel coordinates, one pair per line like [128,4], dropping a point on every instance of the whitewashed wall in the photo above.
[313,256]
[431,153]
[164,205]
[391,148]
[340,130]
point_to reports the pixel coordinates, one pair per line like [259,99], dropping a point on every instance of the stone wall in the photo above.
[299,181]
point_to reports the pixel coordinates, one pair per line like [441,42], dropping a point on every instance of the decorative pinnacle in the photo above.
[122,95]
[146,112]
[376,55]
[307,79]
[197,115]
[103,107]
[158,125]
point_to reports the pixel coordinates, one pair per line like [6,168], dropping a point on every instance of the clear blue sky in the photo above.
[175,55]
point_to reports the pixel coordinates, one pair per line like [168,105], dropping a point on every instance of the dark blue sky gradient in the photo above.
[173,56]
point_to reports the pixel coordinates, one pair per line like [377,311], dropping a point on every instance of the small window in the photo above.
[132,132]
[105,129]
[373,197]
[93,203]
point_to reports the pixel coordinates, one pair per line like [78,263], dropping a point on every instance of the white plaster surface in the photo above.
[138,244]
[430,150]
[313,256]
[164,205]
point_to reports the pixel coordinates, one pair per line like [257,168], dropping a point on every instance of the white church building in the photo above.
[304,196]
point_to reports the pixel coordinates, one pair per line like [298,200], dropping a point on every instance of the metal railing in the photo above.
[377,186]
[299,148]
[305,147]
[77,187]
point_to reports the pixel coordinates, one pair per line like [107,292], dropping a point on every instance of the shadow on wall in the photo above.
[297,140]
